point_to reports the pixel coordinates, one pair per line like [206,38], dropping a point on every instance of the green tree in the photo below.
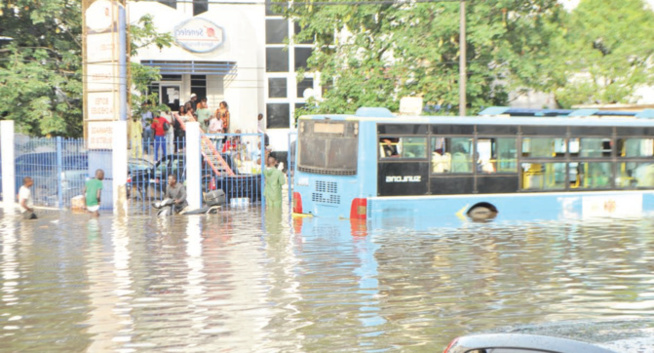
[41,68]
[609,52]
[373,54]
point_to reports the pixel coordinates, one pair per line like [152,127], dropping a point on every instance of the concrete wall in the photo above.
[244,28]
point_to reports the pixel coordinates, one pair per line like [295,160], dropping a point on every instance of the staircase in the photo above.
[210,155]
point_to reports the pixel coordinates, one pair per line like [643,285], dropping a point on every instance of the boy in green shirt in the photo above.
[92,192]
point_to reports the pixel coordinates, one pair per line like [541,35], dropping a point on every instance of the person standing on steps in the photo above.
[159,127]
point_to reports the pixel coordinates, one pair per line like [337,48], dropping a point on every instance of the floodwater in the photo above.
[255,281]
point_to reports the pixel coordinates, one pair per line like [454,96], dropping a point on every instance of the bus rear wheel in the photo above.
[482,212]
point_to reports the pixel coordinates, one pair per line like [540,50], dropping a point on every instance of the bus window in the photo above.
[414,147]
[388,147]
[634,174]
[451,155]
[543,147]
[496,155]
[590,175]
[590,147]
[636,147]
[543,176]
[403,147]
[328,147]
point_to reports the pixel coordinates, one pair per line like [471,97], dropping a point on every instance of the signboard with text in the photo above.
[199,35]
[104,69]
[100,135]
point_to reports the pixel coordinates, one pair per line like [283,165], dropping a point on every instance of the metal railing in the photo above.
[245,156]
[58,167]
[148,179]
[149,170]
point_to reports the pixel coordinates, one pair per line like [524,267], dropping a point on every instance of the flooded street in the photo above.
[253,281]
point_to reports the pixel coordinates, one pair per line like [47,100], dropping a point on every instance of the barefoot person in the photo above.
[25,199]
[92,193]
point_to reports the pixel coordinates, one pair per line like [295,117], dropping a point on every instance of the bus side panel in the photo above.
[435,211]
[452,184]
[403,178]
[495,184]
[368,157]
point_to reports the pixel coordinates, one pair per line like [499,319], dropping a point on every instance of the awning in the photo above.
[170,67]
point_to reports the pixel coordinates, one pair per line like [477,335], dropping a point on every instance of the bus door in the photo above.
[451,165]
[403,165]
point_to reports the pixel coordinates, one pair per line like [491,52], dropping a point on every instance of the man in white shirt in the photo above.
[25,199]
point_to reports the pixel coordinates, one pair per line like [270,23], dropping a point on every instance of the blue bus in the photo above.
[529,164]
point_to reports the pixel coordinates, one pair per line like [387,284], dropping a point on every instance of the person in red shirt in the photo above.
[159,136]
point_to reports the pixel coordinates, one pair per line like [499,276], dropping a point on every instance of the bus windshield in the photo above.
[328,147]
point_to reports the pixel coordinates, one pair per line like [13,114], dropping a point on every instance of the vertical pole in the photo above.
[289,163]
[8,165]
[119,167]
[193,166]
[60,170]
[462,59]
[262,138]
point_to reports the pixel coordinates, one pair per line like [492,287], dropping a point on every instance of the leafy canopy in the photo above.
[609,52]
[41,68]
[374,54]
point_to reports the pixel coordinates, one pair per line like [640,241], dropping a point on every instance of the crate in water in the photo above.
[77,203]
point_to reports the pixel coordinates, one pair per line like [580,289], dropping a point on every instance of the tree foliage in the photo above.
[609,52]
[377,53]
[41,68]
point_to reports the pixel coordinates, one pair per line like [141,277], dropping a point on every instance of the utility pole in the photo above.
[462,59]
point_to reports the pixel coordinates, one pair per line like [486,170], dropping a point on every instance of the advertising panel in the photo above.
[199,35]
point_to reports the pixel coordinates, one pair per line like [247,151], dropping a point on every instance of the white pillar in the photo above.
[193,166]
[8,165]
[119,166]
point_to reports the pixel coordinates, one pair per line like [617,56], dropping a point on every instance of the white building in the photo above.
[234,52]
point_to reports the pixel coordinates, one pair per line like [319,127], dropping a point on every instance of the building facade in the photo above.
[240,52]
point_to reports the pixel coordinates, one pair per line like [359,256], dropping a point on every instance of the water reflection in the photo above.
[250,280]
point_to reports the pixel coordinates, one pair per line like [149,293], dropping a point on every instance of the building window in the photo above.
[200,6]
[199,85]
[306,83]
[177,78]
[276,31]
[297,30]
[277,87]
[273,9]
[276,60]
[278,115]
[171,3]
[301,57]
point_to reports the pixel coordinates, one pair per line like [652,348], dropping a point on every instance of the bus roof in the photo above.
[492,120]
[588,112]
[507,116]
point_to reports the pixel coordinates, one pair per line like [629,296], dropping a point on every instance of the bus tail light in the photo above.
[297,202]
[359,208]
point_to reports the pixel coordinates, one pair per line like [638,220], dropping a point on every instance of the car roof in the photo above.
[525,341]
